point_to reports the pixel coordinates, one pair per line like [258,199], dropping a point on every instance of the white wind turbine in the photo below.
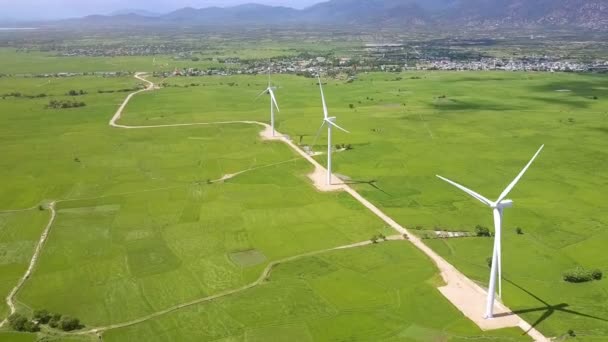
[497,208]
[330,121]
[273,102]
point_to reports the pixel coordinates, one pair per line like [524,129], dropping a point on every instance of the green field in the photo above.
[352,295]
[476,128]
[142,227]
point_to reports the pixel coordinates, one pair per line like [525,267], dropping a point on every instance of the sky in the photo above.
[54,9]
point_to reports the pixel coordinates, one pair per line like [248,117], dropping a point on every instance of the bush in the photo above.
[31,327]
[581,275]
[489,262]
[54,321]
[597,274]
[482,231]
[17,321]
[20,323]
[69,323]
[54,104]
[519,231]
[42,316]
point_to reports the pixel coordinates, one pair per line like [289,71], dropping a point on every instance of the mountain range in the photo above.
[589,14]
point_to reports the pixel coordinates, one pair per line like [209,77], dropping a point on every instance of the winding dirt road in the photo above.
[45,233]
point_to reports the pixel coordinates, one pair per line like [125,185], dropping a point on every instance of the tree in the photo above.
[597,274]
[351,106]
[519,231]
[69,323]
[54,321]
[482,231]
[42,316]
[31,327]
[17,321]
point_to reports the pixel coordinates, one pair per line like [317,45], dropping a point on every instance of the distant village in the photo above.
[333,66]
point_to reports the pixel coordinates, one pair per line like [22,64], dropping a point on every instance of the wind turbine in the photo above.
[330,121]
[273,102]
[497,209]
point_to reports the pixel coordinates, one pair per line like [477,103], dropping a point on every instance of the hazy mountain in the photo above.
[139,12]
[243,14]
[382,13]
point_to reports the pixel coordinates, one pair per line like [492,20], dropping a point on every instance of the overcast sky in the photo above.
[37,9]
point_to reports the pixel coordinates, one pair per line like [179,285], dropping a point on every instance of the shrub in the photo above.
[519,231]
[597,274]
[581,275]
[489,262]
[482,231]
[351,106]
[17,321]
[69,323]
[42,316]
[20,323]
[54,321]
[54,104]
[571,333]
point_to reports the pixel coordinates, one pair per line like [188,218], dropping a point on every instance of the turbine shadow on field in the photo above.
[572,102]
[460,105]
[548,309]
[576,89]
[372,183]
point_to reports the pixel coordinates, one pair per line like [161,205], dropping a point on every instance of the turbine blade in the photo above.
[273,99]
[338,127]
[472,193]
[521,174]
[314,142]
[325,112]
[262,93]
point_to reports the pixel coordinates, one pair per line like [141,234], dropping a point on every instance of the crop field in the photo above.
[478,129]
[358,294]
[144,222]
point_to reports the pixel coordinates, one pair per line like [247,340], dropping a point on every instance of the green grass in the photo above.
[17,337]
[476,128]
[139,228]
[19,234]
[361,294]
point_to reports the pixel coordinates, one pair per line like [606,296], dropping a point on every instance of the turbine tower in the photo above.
[273,102]
[498,207]
[330,121]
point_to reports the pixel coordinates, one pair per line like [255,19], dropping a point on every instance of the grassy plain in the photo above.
[140,229]
[478,129]
[19,233]
[359,294]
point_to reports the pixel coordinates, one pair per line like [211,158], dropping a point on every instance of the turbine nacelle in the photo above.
[503,204]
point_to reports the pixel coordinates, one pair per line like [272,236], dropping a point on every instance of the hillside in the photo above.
[481,14]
